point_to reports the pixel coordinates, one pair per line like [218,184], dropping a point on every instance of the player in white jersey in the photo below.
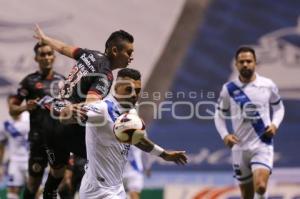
[249,99]
[15,132]
[133,176]
[106,156]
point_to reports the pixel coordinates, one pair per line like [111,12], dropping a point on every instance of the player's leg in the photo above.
[54,178]
[261,165]
[242,172]
[15,180]
[78,172]
[133,182]
[247,190]
[36,166]
[260,182]
[58,155]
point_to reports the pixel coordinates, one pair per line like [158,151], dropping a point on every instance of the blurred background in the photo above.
[185,51]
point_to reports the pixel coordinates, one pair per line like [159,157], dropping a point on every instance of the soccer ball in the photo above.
[129,128]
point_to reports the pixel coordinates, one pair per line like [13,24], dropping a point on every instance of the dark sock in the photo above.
[50,190]
[28,194]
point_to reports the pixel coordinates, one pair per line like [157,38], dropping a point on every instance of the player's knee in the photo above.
[58,171]
[261,187]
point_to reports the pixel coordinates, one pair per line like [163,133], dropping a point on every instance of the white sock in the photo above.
[12,196]
[259,196]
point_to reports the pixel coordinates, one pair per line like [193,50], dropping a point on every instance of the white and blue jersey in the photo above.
[249,107]
[106,155]
[15,132]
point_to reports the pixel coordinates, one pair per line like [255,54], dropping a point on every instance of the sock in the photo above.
[28,194]
[259,196]
[12,196]
[50,190]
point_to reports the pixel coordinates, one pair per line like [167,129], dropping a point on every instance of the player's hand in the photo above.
[39,34]
[73,112]
[31,104]
[1,172]
[148,172]
[271,130]
[178,157]
[230,140]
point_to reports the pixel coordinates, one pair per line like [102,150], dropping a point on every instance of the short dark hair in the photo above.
[129,72]
[116,37]
[37,46]
[245,49]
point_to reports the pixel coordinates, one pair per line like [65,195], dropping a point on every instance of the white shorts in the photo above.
[133,181]
[91,190]
[244,162]
[17,173]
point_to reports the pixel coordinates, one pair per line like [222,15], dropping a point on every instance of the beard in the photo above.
[246,73]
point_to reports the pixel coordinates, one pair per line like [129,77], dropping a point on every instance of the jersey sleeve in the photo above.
[3,136]
[101,85]
[96,112]
[224,100]
[275,97]
[23,90]
[78,52]
[222,110]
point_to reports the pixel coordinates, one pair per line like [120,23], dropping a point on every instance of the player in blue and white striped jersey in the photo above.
[248,101]
[106,155]
[15,133]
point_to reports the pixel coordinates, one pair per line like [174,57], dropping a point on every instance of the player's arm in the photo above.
[15,102]
[76,113]
[2,148]
[278,112]
[219,119]
[57,45]
[148,146]
[16,108]
[3,138]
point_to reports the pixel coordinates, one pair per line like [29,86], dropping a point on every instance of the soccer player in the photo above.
[106,156]
[248,99]
[133,175]
[89,80]
[34,86]
[15,133]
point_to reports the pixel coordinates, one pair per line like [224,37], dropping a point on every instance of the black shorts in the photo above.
[62,139]
[37,155]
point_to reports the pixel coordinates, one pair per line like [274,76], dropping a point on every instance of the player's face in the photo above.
[45,57]
[246,64]
[127,91]
[124,55]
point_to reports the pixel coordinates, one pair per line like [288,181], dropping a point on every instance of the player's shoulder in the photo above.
[265,81]
[57,75]
[31,77]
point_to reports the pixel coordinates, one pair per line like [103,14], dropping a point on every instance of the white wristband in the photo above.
[157,150]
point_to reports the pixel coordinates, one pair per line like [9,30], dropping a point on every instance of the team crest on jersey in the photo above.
[39,85]
[236,92]
[36,167]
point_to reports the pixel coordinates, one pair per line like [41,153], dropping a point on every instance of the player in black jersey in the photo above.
[34,86]
[90,79]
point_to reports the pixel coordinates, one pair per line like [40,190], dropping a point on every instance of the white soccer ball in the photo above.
[129,128]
